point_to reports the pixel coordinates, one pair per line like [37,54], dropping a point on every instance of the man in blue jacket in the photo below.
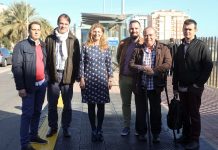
[28,67]
[192,68]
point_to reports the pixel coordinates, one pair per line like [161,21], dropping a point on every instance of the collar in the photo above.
[153,46]
[33,42]
[184,42]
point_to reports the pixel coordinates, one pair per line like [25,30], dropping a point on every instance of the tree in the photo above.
[14,22]
[46,28]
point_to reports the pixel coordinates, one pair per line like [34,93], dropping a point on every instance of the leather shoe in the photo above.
[94,137]
[66,133]
[141,137]
[51,132]
[193,145]
[183,140]
[100,136]
[156,138]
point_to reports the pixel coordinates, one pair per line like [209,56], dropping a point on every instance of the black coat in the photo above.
[71,69]
[192,67]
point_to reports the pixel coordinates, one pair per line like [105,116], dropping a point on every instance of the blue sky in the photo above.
[203,11]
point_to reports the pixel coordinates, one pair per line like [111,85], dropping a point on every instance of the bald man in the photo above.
[149,63]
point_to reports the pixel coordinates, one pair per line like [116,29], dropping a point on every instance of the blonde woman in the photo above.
[95,77]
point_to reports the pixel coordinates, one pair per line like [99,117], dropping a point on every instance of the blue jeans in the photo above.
[31,111]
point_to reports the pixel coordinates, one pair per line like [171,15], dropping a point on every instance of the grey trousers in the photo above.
[126,90]
[54,90]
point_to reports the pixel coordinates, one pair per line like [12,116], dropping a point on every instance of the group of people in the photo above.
[55,65]
[143,65]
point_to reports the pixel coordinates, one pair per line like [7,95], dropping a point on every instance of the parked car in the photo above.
[5,57]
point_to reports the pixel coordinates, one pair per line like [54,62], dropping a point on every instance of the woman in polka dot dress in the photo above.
[95,77]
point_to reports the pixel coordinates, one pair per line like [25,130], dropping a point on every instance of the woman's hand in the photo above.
[82,83]
[109,84]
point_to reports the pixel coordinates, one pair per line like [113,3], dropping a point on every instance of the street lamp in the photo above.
[122,7]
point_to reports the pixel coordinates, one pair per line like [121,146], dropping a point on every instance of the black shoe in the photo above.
[28,147]
[192,145]
[38,140]
[141,137]
[51,132]
[94,136]
[156,138]
[66,133]
[183,140]
[125,131]
[100,136]
[136,133]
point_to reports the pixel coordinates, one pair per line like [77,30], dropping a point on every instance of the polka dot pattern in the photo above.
[95,67]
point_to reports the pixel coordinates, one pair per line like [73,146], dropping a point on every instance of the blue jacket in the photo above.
[24,64]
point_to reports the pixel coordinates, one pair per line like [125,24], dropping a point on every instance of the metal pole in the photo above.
[104,6]
[27,19]
[122,7]
[148,121]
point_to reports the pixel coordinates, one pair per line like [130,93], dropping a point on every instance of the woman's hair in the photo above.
[103,43]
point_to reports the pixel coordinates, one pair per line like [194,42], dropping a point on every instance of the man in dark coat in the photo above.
[29,70]
[192,68]
[63,59]
[149,64]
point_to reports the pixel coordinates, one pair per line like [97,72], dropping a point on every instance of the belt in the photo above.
[39,83]
[61,71]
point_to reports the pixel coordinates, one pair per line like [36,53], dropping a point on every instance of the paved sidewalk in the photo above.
[209,113]
[81,136]
[80,128]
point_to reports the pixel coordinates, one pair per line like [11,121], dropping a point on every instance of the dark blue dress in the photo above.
[95,67]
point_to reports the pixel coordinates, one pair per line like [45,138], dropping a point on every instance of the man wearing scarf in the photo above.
[63,66]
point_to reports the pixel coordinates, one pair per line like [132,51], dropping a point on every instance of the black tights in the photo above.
[100,115]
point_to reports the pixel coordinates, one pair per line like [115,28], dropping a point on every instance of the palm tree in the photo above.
[2,17]
[46,28]
[16,19]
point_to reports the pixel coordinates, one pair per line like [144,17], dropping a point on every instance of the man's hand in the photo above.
[22,93]
[110,84]
[148,70]
[176,93]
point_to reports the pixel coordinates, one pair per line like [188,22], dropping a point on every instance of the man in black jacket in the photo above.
[192,68]
[29,69]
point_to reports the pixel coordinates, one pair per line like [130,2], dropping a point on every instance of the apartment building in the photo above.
[168,23]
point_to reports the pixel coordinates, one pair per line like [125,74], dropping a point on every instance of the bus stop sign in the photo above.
[113,41]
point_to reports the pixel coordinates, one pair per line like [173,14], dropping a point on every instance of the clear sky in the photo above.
[203,11]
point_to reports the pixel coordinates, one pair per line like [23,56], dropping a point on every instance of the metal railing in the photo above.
[212,43]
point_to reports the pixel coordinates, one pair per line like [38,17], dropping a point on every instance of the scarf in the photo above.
[61,49]
[62,41]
